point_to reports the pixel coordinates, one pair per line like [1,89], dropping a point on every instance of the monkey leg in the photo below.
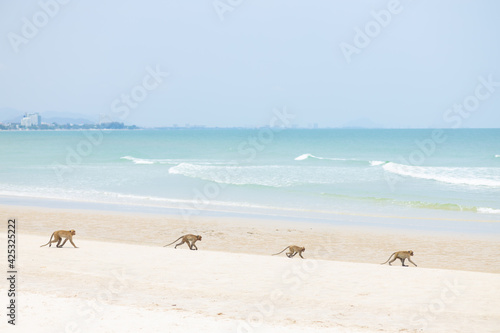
[403,262]
[179,244]
[59,242]
[412,262]
[390,262]
[300,254]
[55,240]
[194,246]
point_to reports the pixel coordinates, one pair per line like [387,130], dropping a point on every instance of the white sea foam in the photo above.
[103,197]
[270,175]
[235,175]
[149,160]
[302,157]
[375,163]
[472,176]
[92,196]
[497,155]
[138,160]
[306,156]
[170,161]
[487,210]
[311,156]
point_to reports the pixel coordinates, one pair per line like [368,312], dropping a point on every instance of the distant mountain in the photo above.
[14,116]
[362,123]
[65,118]
[8,115]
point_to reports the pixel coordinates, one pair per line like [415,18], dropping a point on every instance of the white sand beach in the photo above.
[353,130]
[121,279]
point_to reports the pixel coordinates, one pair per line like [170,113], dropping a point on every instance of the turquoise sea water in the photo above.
[327,173]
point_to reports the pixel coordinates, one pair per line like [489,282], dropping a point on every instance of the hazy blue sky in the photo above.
[231,65]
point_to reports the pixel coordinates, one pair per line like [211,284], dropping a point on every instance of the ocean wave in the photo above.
[449,207]
[497,155]
[440,206]
[311,156]
[270,175]
[471,176]
[375,163]
[487,210]
[306,156]
[234,175]
[171,161]
[105,197]
[417,204]
[146,161]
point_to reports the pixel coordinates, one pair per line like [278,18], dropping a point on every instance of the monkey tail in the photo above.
[389,258]
[281,251]
[173,241]
[49,239]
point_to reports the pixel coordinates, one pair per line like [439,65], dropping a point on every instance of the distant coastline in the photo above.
[44,127]
[121,126]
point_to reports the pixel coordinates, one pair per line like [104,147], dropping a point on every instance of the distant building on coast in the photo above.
[31,119]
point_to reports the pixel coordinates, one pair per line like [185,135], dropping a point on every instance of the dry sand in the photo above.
[121,279]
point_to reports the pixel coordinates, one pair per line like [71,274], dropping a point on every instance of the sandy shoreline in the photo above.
[121,279]
[476,252]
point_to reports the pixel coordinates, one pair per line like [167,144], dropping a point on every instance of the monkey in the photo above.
[59,235]
[189,239]
[401,255]
[293,250]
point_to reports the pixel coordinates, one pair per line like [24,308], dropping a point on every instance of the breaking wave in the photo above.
[147,161]
[306,156]
[311,156]
[269,175]
[472,176]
